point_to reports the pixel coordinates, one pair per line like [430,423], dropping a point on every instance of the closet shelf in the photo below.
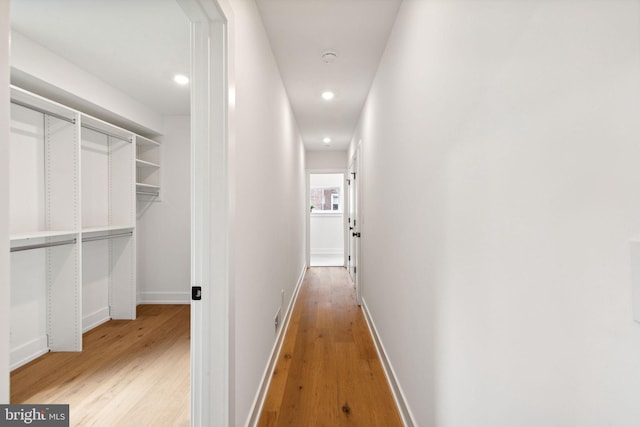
[141,140]
[141,186]
[41,234]
[145,164]
[103,228]
[105,128]
[29,100]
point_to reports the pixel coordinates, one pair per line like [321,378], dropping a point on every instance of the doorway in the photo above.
[98,255]
[326,219]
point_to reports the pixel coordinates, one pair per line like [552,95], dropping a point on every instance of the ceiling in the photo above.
[118,41]
[138,52]
[300,31]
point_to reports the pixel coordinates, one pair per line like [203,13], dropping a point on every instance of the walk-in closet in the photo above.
[100,207]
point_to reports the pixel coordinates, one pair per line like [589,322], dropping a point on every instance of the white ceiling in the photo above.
[300,31]
[138,52]
[134,45]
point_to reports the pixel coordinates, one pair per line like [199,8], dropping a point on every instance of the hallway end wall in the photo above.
[4,206]
[504,135]
[269,234]
[326,160]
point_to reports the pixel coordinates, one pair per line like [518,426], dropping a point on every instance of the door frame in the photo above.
[345,227]
[212,101]
[5,307]
[355,166]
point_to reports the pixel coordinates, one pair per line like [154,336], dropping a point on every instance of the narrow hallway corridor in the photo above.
[328,372]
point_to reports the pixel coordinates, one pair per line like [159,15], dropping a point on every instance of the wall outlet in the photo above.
[276,321]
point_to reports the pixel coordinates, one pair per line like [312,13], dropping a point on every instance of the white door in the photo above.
[354,224]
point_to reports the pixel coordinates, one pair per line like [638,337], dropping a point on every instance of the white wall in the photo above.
[4,205]
[326,159]
[326,234]
[501,186]
[163,227]
[269,236]
[37,69]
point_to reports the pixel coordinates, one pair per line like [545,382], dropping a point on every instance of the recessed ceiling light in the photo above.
[329,57]
[326,140]
[181,79]
[328,95]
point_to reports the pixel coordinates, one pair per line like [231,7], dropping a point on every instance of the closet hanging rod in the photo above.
[43,245]
[43,111]
[148,193]
[113,135]
[106,236]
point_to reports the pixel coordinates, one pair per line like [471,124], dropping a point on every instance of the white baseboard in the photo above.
[258,401]
[95,319]
[164,298]
[29,351]
[398,395]
[326,251]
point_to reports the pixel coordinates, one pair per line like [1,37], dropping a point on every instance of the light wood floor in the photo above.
[130,373]
[328,372]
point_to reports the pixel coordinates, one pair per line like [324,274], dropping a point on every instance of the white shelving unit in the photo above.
[72,204]
[44,223]
[108,222]
[147,167]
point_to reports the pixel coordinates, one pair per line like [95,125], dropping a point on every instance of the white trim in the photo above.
[261,394]
[94,319]
[28,351]
[344,213]
[355,165]
[211,202]
[327,251]
[396,389]
[164,298]
[327,214]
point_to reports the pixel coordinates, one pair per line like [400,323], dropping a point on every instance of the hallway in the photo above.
[328,372]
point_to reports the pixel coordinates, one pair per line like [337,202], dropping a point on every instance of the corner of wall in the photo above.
[4,205]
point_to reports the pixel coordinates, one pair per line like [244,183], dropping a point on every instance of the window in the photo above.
[325,199]
[335,202]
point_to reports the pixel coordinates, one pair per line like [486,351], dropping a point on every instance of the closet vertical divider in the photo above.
[63,264]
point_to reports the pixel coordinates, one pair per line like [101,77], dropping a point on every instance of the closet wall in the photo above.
[40,70]
[164,226]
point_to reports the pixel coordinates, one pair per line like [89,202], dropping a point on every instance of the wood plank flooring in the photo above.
[328,372]
[130,373]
